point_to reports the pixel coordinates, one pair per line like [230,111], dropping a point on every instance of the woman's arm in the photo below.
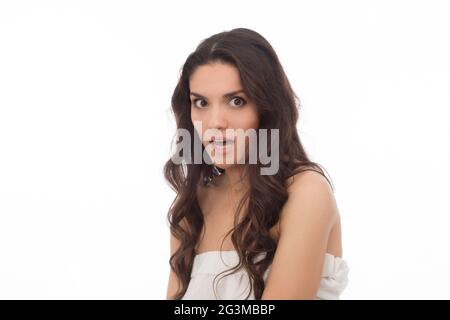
[306,221]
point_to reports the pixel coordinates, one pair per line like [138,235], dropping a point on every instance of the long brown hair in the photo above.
[265,82]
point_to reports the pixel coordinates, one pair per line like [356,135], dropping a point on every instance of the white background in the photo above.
[85,128]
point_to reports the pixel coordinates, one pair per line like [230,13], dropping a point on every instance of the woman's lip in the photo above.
[220,141]
[222,148]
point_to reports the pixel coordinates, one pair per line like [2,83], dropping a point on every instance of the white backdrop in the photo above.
[85,129]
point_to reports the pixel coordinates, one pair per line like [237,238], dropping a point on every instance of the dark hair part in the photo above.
[264,82]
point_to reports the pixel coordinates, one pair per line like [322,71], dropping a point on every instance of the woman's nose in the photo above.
[217,118]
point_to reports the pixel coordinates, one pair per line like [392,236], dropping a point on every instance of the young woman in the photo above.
[237,233]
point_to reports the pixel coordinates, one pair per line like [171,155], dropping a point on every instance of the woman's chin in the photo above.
[224,166]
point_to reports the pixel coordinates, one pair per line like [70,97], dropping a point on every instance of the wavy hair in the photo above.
[264,82]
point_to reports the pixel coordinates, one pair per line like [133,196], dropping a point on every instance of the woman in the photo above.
[236,232]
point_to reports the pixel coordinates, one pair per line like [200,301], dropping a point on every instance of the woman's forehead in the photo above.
[216,79]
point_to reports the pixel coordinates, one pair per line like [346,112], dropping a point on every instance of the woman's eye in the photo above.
[199,105]
[240,101]
[237,102]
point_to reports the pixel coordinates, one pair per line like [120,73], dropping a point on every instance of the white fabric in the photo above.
[236,286]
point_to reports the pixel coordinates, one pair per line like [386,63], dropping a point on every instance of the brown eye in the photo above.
[240,102]
[199,105]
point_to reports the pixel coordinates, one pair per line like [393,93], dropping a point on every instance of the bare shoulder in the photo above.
[310,196]
[307,179]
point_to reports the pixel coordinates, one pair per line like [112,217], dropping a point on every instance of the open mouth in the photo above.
[221,143]
[222,146]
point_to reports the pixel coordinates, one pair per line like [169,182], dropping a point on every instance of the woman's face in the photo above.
[219,108]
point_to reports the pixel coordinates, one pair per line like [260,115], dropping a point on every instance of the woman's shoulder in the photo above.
[307,177]
[310,197]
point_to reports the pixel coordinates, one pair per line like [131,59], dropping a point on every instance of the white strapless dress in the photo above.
[236,286]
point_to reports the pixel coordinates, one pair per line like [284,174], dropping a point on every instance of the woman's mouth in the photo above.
[222,146]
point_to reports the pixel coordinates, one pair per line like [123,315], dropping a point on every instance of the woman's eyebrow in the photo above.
[227,95]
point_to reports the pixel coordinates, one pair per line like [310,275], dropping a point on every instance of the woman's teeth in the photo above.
[223,146]
[222,143]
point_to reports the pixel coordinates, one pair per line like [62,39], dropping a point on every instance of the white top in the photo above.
[236,286]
